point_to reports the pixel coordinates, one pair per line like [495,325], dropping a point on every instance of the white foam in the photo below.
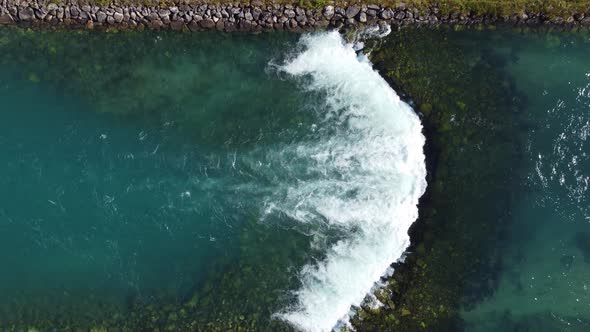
[368,176]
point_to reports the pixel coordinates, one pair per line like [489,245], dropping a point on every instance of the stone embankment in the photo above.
[255,16]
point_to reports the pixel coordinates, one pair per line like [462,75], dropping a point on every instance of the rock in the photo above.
[89,25]
[256,3]
[207,23]
[101,17]
[245,25]
[329,12]
[194,26]
[74,12]
[585,21]
[248,16]
[40,13]
[118,17]
[363,18]
[26,14]
[110,20]
[6,19]
[352,11]
[155,24]
[290,13]
[177,25]
[164,13]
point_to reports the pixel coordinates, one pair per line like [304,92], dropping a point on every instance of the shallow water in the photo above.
[169,180]
[544,278]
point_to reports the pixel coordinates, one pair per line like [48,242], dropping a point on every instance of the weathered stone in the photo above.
[26,14]
[164,12]
[74,12]
[110,20]
[118,17]
[329,11]
[585,21]
[6,19]
[290,13]
[363,17]
[207,23]
[155,24]
[352,11]
[101,17]
[40,13]
[177,25]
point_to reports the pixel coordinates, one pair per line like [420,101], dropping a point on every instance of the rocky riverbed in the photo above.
[254,16]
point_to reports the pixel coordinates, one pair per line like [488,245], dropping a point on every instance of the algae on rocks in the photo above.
[467,103]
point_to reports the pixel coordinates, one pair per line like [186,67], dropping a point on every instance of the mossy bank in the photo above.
[303,15]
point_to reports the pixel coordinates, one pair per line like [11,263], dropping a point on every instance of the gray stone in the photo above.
[164,13]
[363,18]
[118,17]
[290,13]
[26,14]
[6,19]
[329,11]
[177,25]
[74,12]
[585,21]
[40,13]
[207,23]
[248,16]
[110,20]
[352,11]
[245,25]
[101,17]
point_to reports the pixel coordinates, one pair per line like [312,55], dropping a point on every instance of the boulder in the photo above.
[352,11]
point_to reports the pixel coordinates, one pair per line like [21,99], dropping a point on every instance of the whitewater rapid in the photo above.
[368,173]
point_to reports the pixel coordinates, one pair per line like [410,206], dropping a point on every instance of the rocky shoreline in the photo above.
[254,16]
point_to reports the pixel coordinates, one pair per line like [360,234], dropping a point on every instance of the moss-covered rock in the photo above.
[467,104]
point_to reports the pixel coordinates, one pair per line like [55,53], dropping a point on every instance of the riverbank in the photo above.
[258,15]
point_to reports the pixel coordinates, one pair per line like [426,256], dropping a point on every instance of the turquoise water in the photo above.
[212,181]
[181,181]
[544,275]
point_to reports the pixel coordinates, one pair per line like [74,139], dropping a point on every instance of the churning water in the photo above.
[145,175]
